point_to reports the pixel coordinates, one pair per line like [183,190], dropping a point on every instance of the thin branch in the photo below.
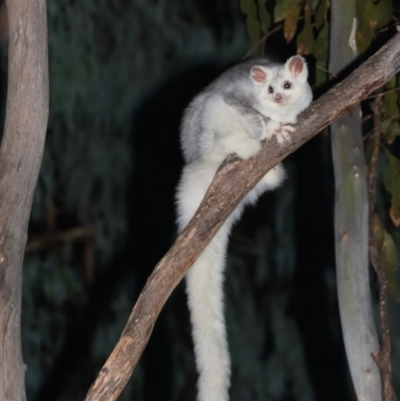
[234,179]
[380,94]
[372,131]
[366,118]
[261,41]
[51,238]
[326,71]
[382,357]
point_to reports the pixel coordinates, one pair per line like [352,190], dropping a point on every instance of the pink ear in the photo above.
[296,65]
[258,74]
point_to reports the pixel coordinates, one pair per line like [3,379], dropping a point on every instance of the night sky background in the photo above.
[121,73]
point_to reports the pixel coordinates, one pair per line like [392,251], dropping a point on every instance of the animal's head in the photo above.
[277,86]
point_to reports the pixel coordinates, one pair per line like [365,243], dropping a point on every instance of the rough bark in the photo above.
[20,157]
[383,356]
[351,220]
[234,179]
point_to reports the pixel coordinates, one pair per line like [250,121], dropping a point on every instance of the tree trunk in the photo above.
[20,157]
[351,219]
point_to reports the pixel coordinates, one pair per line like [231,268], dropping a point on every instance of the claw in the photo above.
[282,134]
[288,128]
[271,133]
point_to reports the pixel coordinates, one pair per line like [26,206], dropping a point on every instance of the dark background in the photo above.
[121,73]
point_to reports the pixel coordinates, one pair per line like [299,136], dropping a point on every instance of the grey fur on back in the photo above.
[235,85]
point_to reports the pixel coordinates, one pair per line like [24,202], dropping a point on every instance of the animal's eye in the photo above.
[270,89]
[287,85]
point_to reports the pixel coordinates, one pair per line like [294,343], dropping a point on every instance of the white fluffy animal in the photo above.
[253,101]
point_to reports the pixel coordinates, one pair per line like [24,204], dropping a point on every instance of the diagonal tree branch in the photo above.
[232,182]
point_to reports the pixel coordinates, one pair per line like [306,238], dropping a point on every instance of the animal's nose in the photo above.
[279,98]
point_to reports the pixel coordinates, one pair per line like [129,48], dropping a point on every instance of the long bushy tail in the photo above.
[205,296]
[205,290]
[205,279]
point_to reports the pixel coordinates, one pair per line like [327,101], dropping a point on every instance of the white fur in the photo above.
[233,133]
[296,99]
[204,281]
[211,130]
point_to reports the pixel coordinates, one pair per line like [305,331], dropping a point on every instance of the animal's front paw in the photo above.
[248,148]
[271,133]
[282,133]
